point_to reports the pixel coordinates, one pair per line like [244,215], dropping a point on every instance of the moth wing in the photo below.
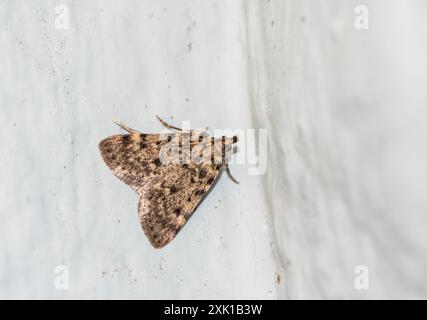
[133,158]
[168,200]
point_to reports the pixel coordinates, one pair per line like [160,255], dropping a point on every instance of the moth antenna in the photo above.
[121,125]
[227,168]
[167,125]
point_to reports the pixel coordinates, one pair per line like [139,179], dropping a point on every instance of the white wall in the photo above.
[348,153]
[346,158]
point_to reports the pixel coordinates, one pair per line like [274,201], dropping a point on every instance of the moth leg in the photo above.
[167,125]
[227,168]
[121,125]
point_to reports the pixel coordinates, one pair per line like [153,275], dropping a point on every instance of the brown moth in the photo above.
[172,173]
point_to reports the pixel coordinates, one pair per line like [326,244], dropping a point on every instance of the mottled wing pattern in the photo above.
[133,158]
[169,199]
[169,191]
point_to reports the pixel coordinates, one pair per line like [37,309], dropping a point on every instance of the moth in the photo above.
[172,173]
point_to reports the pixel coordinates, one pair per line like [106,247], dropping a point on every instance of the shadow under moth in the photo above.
[171,172]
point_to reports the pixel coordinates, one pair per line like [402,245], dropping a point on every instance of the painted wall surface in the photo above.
[340,211]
